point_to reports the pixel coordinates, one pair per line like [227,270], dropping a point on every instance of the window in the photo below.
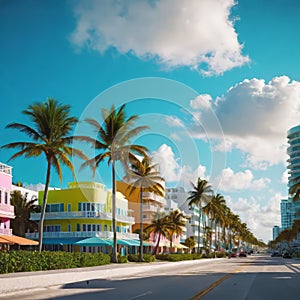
[55,207]
[94,227]
[6,198]
[0,196]
[118,229]
[118,211]
[79,206]
[69,207]
[78,227]
[83,227]
[69,227]
[105,227]
[89,227]
[99,227]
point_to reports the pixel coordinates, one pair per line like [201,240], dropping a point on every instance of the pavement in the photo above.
[20,283]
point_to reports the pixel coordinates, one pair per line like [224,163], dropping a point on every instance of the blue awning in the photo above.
[93,241]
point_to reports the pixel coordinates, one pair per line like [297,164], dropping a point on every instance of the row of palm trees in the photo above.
[50,135]
[214,207]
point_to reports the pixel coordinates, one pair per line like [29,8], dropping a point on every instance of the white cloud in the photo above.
[255,117]
[38,187]
[228,181]
[259,218]
[202,102]
[284,177]
[174,136]
[172,171]
[198,34]
[173,121]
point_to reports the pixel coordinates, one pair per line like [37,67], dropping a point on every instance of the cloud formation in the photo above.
[231,182]
[258,217]
[197,34]
[255,116]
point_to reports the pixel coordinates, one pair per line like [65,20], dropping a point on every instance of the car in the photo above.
[242,254]
[275,254]
[286,255]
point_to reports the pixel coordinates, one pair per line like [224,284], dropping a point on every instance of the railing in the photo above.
[151,208]
[5,231]
[81,215]
[82,234]
[7,209]
[154,197]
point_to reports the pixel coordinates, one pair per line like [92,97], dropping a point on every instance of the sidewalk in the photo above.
[14,283]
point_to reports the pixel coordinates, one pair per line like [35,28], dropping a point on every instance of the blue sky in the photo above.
[217,82]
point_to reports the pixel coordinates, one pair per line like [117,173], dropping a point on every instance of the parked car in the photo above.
[275,254]
[242,254]
[286,255]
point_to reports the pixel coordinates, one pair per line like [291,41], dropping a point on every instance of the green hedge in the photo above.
[178,256]
[25,261]
[146,257]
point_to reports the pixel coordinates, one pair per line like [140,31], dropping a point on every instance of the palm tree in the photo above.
[201,192]
[214,209]
[22,208]
[113,141]
[190,242]
[160,226]
[142,176]
[177,220]
[52,125]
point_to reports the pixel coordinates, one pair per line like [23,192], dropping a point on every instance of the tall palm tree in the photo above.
[160,226]
[177,221]
[113,141]
[201,193]
[50,132]
[142,176]
[22,208]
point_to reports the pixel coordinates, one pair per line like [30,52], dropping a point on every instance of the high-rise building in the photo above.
[287,213]
[293,136]
[276,231]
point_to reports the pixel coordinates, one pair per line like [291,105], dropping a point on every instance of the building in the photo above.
[287,213]
[6,209]
[293,137]
[30,194]
[151,204]
[81,211]
[276,231]
[179,195]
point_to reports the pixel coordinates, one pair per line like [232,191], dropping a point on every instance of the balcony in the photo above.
[151,208]
[7,211]
[83,234]
[81,215]
[152,196]
[6,231]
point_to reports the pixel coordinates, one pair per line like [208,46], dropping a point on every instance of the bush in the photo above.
[178,256]
[122,259]
[146,257]
[26,261]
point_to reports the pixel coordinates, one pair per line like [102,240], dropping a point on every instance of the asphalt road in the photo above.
[253,278]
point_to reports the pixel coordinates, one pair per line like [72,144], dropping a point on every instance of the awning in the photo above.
[93,241]
[14,239]
[3,241]
[179,246]
[60,241]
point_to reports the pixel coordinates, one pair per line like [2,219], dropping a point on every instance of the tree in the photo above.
[113,141]
[142,175]
[177,220]
[22,208]
[201,193]
[190,242]
[160,226]
[50,132]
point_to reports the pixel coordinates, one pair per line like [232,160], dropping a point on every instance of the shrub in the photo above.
[178,256]
[146,257]
[122,259]
[25,261]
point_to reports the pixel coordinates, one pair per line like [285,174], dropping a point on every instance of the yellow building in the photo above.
[81,211]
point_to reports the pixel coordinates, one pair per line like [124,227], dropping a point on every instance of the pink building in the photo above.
[6,210]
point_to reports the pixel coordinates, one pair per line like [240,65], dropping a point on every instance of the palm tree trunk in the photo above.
[114,254]
[156,246]
[199,228]
[141,225]
[41,223]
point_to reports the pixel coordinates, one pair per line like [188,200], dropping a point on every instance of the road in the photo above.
[253,278]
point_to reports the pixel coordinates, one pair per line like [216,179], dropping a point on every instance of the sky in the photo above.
[216,81]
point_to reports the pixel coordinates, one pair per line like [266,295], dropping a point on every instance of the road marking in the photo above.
[141,295]
[215,284]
